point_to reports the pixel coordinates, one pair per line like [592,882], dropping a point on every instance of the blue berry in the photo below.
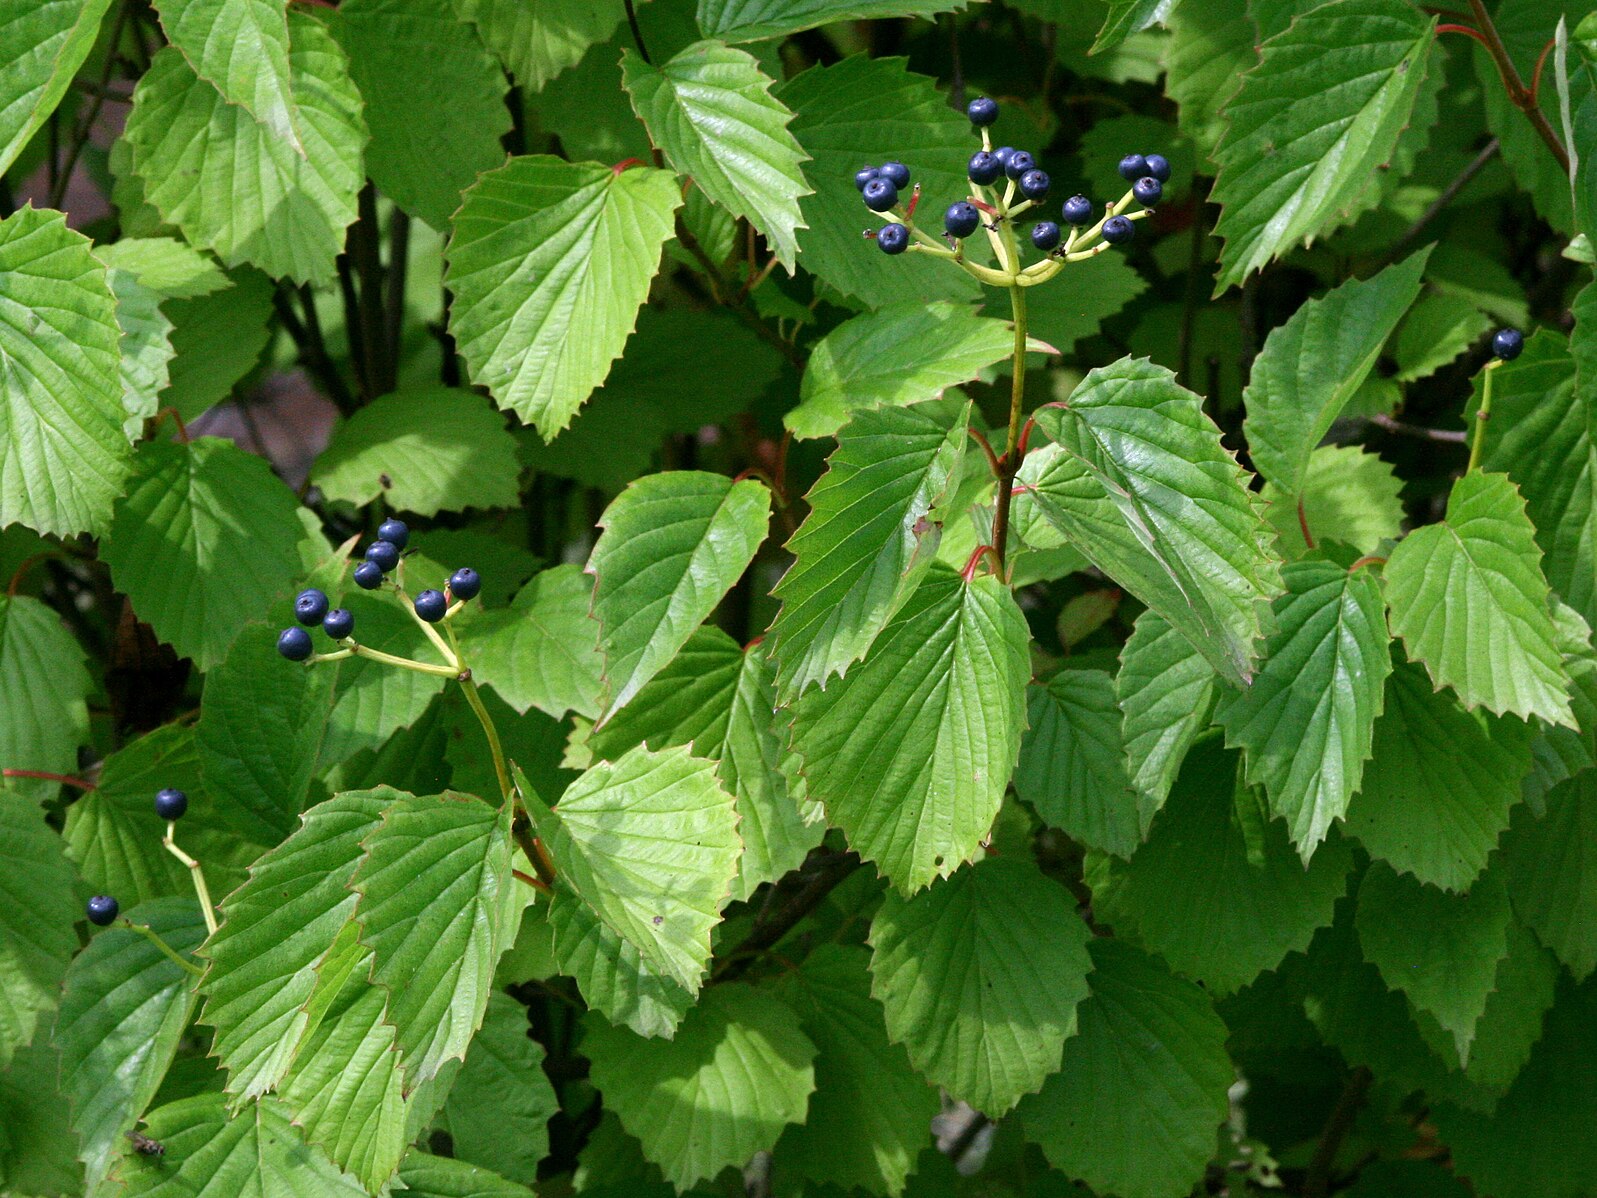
[383,554]
[1034,185]
[984,167]
[893,238]
[1133,166]
[466,583]
[1147,191]
[1158,166]
[961,219]
[1077,210]
[1019,162]
[340,623]
[1003,154]
[1045,235]
[1117,230]
[368,576]
[395,532]
[294,644]
[895,173]
[880,194]
[309,607]
[864,175]
[101,910]
[431,605]
[1508,344]
[171,804]
[982,111]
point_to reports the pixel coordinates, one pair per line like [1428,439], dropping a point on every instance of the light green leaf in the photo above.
[1469,600]
[41,664]
[375,700]
[672,545]
[650,842]
[538,39]
[910,752]
[1188,541]
[1127,17]
[548,264]
[217,340]
[38,906]
[1211,45]
[146,349]
[428,143]
[711,111]
[170,268]
[233,186]
[1307,722]
[499,1107]
[429,450]
[437,908]
[980,976]
[867,540]
[543,651]
[1558,754]
[239,47]
[426,1176]
[1512,1024]
[1552,872]
[1135,1108]
[1438,329]
[1311,366]
[1349,496]
[1312,123]
[46,42]
[611,973]
[62,453]
[37,1147]
[738,1072]
[1164,688]
[757,20]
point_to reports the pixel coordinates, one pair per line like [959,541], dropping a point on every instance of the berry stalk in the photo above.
[196,874]
[171,953]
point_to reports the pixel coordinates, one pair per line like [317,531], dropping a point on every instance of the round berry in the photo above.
[340,623]
[1077,210]
[893,238]
[101,909]
[395,532]
[1045,235]
[864,175]
[895,173]
[1147,191]
[961,219]
[294,644]
[466,583]
[982,111]
[984,167]
[171,804]
[1003,154]
[1508,344]
[309,607]
[431,605]
[880,194]
[1020,161]
[368,576]
[1133,166]
[383,554]
[1158,166]
[1034,185]
[1117,230]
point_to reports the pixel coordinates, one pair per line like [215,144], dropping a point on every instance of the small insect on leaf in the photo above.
[144,1146]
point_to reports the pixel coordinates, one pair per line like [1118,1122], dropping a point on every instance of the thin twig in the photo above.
[398,263]
[1317,1180]
[1391,425]
[1519,95]
[365,238]
[1447,196]
[727,296]
[307,338]
[86,126]
[637,33]
[818,877]
[45,776]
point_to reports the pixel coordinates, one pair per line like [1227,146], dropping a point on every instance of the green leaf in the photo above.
[910,752]
[1127,17]
[64,456]
[217,340]
[437,908]
[757,20]
[1439,328]
[1512,1024]
[146,348]
[543,651]
[1135,1108]
[867,540]
[739,1070]
[1440,784]
[38,906]
[1552,872]
[1469,600]
[1215,906]
[870,1115]
[428,143]
[499,1107]
[202,543]
[232,185]
[375,700]
[839,124]
[980,977]
[1073,765]
[1188,542]
[611,973]
[650,842]
[41,663]
[711,111]
[426,1176]
[1311,124]
[1311,366]
[538,40]
[898,356]
[1349,496]
[239,47]
[38,1147]
[548,264]
[1307,722]
[1210,46]
[171,268]
[428,450]
[46,42]
[672,545]
[1074,306]
[1164,689]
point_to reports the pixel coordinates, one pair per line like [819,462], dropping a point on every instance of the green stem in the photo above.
[404,663]
[154,938]
[1009,464]
[201,890]
[1481,417]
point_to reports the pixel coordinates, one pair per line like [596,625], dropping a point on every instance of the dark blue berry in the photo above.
[1117,230]
[982,111]
[340,623]
[294,644]
[171,804]
[101,910]
[1508,344]
[1133,166]
[961,219]
[880,194]
[1034,185]
[1077,210]
[1003,154]
[431,605]
[1020,161]
[864,175]
[1045,235]
[1147,191]
[895,173]
[395,532]
[893,238]
[309,607]
[466,583]
[368,576]
[383,554]
[984,167]
[1158,167]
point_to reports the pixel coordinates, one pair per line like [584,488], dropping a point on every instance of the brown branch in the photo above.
[816,879]
[1381,420]
[42,775]
[1519,95]
[1317,1181]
